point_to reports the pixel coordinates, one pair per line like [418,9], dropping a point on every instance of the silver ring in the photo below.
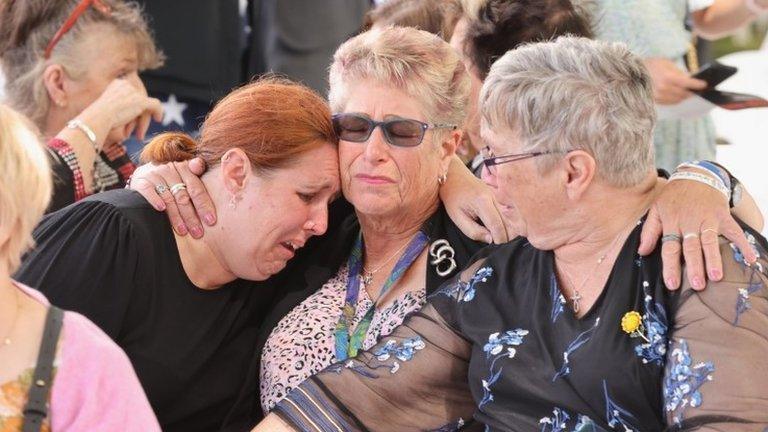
[690,235]
[178,187]
[670,237]
[161,188]
[710,229]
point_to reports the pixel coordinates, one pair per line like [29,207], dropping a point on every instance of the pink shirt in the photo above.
[95,387]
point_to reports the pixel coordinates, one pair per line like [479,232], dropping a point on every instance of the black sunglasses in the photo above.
[397,132]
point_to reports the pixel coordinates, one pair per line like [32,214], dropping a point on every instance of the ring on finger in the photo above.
[178,187]
[710,229]
[161,188]
[670,237]
[690,235]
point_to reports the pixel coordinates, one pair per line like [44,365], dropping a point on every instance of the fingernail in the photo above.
[181,229]
[160,207]
[209,219]
[488,239]
[670,283]
[196,231]
[714,274]
[697,283]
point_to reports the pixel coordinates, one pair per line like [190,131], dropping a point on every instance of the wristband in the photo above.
[77,124]
[705,179]
[720,173]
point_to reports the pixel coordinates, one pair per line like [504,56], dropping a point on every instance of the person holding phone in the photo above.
[655,29]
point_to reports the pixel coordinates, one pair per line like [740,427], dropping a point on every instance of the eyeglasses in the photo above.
[72,19]
[397,132]
[490,161]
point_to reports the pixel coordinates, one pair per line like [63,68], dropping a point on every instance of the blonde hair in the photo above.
[26,28]
[25,185]
[414,61]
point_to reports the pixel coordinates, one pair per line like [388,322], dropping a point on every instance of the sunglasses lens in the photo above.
[352,128]
[405,133]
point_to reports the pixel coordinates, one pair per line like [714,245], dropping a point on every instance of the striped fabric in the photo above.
[305,409]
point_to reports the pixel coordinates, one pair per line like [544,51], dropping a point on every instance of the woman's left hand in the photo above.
[471,205]
[698,214]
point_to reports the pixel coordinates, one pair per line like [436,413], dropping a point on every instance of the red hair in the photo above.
[272,120]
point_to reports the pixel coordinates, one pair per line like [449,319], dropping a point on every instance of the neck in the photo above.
[385,235]
[54,123]
[201,263]
[8,301]
[598,231]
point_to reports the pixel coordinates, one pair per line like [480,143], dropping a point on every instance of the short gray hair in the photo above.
[576,93]
[417,62]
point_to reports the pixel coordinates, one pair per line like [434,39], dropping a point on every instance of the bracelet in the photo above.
[755,8]
[720,173]
[82,127]
[702,178]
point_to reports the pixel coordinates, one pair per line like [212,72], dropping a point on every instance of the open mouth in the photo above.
[290,246]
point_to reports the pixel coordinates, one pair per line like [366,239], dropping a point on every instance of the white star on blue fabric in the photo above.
[173,111]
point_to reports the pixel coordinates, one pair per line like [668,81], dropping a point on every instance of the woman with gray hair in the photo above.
[566,327]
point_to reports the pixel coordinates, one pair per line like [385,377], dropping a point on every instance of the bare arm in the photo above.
[723,17]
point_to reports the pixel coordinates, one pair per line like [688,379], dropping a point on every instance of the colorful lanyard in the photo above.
[349,342]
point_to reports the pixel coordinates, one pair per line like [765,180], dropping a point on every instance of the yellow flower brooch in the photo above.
[632,324]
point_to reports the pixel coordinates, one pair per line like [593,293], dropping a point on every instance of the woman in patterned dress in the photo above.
[566,327]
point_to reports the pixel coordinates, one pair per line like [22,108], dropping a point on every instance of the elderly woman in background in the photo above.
[92,385]
[72,67]
[515,339]
[187,312]
[435,16]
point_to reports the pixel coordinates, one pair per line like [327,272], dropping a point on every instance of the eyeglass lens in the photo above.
[400,132]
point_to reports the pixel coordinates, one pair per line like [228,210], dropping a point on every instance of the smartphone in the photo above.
[714,73]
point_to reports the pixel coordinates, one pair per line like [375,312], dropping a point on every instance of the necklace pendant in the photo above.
[367,278]
[575,300]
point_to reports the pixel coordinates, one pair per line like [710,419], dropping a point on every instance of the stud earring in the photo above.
[442,178]
[233,201]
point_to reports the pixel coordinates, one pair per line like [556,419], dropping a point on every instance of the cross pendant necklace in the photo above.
[367,275]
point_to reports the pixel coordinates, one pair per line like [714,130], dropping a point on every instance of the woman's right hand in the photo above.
[187,207]
[122,104]
[670,84]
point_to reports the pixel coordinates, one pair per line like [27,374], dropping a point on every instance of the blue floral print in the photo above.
[465,291]
[494,350]
[655,326]
[401,352]
[559,422]
[580,340]
[558,300]
[451,427]
[742,297]
[616,415]
[681,386]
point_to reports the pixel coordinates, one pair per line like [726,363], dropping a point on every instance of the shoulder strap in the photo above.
[36,409]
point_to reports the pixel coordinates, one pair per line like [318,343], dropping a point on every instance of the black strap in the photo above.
[36,409]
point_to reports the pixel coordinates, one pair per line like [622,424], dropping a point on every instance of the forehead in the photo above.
[318,167]
[378,99]
[104,44]
[499,139]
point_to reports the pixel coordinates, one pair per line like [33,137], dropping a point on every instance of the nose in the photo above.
[376,147]
[317,223]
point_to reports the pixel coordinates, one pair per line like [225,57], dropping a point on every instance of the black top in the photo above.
[114,259]
[499,344]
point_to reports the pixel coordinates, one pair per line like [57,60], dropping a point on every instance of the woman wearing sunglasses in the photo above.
[398,94]
[566,328]
[72,67]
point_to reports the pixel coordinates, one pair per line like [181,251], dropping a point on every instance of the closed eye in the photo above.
[306,197]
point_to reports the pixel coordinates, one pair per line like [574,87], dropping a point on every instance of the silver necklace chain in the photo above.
[6,340]
[368,274]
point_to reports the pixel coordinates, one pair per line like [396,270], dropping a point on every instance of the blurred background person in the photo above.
[72,67]
[90,384]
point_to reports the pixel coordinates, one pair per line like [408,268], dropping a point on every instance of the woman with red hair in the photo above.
[184,310]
